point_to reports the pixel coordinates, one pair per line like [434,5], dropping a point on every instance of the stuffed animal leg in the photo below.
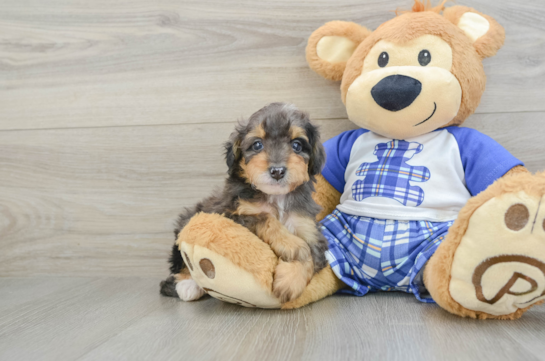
[492,263]
[231,264]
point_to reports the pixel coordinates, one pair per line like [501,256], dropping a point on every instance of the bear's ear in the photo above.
[485,32]
[331,45]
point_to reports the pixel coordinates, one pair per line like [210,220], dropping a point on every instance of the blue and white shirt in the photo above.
[426,178]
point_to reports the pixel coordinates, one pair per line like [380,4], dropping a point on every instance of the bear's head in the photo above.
[415,73]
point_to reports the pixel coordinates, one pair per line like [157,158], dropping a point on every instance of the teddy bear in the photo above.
[411,201]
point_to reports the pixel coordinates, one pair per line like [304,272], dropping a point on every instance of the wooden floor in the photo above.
[105,318]
[112,116]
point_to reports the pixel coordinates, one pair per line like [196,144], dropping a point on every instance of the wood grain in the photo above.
[101,201]
[112,116]
[74,319]
[73,64]
[126,319]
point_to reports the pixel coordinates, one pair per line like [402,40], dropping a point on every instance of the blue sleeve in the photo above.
[484,160]
[337,151]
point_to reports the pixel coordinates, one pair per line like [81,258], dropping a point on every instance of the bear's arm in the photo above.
[326,196]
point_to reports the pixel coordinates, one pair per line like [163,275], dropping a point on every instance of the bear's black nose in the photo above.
[396,92]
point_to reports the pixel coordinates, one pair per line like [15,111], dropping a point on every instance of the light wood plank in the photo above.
[66,324]
[102,201]
[529,332]
[382,326]
[126,319]
[76,64]
[16,292]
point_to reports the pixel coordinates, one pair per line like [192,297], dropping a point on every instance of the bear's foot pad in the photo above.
[222,279]
[499,266]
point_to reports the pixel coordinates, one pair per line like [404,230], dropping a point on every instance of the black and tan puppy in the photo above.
[272,159]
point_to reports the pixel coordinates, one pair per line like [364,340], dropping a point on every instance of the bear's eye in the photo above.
[257,146]
[424,57]
[383,59]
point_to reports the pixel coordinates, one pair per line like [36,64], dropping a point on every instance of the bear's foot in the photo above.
[499,266]
[222,279]
[228,262]
[492,264]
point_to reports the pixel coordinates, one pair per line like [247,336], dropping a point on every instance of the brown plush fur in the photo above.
[466,63]
[517,170]
[420,6]
[326,196]
[333,71]
[487,45]
[467,56]
[437,273]
[233,242]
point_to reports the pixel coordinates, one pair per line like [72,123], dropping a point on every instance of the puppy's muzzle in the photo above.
[277,172]
[396,92]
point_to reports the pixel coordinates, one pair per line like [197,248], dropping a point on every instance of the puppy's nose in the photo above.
[396,92]
[277,172]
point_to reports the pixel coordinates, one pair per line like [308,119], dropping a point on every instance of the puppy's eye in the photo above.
[383,59]
[297,146]
[257,146]
[424,57]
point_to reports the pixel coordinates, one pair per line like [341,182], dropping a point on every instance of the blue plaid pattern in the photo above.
[390,175]
[371,254]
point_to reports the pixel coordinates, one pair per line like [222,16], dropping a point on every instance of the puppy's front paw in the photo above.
[289,252]
[290,280]
[189,290]
[303,253]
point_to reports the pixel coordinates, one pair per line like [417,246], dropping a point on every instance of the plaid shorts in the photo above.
[371,254]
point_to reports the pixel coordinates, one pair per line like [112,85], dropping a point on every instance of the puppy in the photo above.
[273,158]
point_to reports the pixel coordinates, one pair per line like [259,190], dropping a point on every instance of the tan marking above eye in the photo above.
[208,268]
[298,132]
[257,132]
[517,217]
[188,261]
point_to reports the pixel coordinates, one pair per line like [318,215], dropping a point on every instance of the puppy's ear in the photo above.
[331,45]
[232,151]
[317,153]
